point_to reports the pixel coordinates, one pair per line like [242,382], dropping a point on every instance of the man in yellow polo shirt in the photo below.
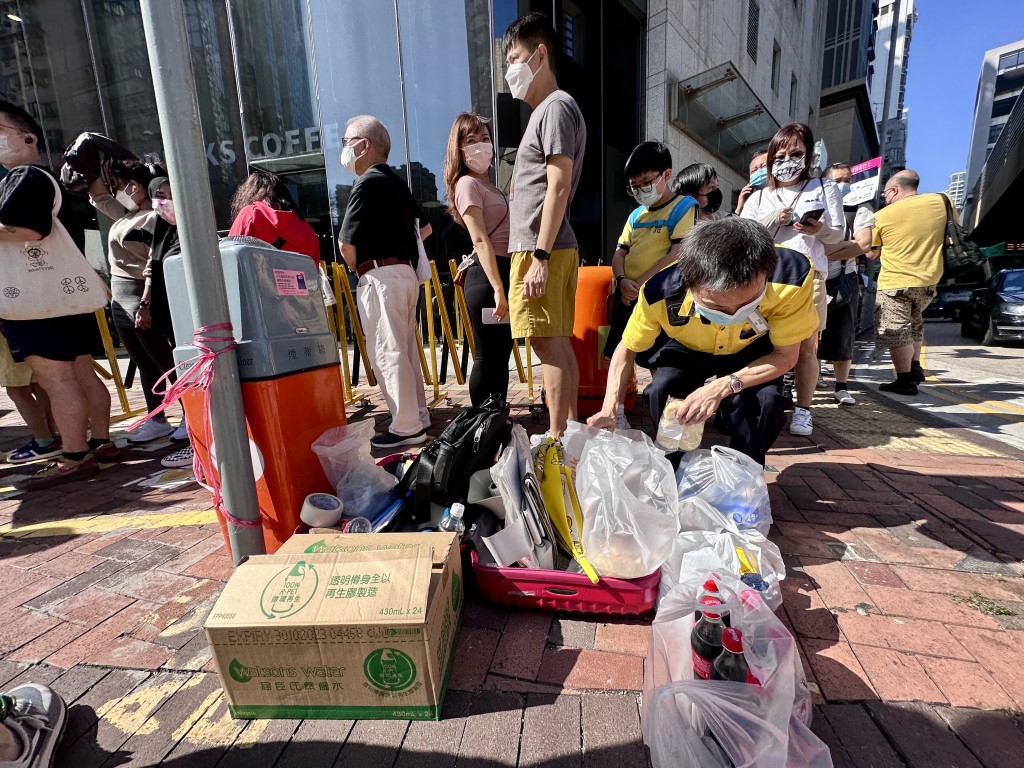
[909,235]
[731,315]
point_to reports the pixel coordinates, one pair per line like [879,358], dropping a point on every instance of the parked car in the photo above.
[996,312]
[954,292]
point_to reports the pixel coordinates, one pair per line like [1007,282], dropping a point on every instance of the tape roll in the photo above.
[321,510]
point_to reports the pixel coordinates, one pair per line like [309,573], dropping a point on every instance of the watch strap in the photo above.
[541,254]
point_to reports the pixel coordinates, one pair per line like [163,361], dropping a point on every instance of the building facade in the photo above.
[891,64]
[1000,82]
[723,76]
[958,188]
[846,122]
[277,80]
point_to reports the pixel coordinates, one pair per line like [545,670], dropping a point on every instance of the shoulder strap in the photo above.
[679,210]
[635,215]
[949,207]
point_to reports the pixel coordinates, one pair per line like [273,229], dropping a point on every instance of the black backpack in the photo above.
[470,442]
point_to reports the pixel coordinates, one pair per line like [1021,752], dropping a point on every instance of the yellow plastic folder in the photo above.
[559,496]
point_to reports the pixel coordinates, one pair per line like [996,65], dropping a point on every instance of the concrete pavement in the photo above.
[904,542]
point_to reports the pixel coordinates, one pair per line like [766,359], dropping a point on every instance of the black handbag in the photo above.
[840,288]
[470,442]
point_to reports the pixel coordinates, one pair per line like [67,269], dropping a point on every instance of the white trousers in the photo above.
[387,308]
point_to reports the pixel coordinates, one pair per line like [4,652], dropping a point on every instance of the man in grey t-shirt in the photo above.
[542,290]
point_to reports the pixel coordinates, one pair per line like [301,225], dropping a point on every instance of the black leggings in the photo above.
[493,342]
[152,354]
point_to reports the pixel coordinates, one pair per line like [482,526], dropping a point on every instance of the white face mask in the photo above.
[649,198]
[788,170]
[739,316]
[349,157]
[478,156]
[519,76]
[5,145]
[125,199]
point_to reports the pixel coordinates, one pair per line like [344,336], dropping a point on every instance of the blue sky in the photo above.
[945,59]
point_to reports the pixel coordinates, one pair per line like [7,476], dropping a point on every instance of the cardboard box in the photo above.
[341,627]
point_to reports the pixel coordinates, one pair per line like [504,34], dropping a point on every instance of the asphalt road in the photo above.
[969,385]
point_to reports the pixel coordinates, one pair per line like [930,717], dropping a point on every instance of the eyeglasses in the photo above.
[346,141]
[794,156]
[646,187]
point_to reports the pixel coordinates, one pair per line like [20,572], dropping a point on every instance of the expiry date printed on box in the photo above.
[290,282]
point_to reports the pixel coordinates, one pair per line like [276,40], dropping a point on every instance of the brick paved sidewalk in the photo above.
[903,542]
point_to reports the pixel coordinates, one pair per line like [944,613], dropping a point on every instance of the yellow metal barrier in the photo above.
[343,290]
[340,328]
[446,323]
[462,311]
[114,373]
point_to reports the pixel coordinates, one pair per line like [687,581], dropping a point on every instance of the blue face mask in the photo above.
[759,178]
[737,317]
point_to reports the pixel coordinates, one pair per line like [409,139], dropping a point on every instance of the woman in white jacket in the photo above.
[804,214]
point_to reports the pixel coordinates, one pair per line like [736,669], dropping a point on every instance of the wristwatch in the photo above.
[144,304]
[540,254]
[735,384]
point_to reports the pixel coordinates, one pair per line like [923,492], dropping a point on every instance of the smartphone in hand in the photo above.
[813,215]
[489,318]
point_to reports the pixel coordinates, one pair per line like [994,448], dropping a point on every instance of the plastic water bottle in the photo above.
[452,521]
[358,525]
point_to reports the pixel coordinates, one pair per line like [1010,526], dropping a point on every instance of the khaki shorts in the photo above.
[899,315]
[12,374]
[820,299]
[552,314]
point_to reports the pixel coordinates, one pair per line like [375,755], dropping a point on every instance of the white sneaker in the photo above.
[822,384]
[181,433]
[621,423]
[178,459]
[802,423]
[843,397]
[150,431]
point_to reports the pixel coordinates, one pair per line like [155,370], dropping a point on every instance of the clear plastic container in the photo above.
[452,521]
[673,436]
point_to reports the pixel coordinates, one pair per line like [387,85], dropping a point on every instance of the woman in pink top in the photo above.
[482,209]
[262,207]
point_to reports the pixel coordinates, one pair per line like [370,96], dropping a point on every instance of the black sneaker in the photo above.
[917,373]
[391,440]
[899,387]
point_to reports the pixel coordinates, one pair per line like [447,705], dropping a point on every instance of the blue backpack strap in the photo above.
[636,215]
[679,210]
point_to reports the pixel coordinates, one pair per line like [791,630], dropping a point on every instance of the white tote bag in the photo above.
[423,273]
[47,278]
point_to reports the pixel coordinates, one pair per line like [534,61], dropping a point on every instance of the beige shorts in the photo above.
[899,315]
[12,374]
[820,299]
[552,314]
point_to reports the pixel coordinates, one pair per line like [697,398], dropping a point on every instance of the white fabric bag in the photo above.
[422,262]
[46,278]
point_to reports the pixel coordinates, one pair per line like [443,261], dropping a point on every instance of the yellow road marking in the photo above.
[106,524]
[959,397]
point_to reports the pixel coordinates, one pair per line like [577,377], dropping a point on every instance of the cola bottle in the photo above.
[730,664]
[706,638]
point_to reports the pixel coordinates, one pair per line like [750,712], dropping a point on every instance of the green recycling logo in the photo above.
[389,669]
[289,591]
[239,672]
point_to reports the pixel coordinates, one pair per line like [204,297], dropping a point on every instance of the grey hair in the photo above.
[726,254]
[372,129]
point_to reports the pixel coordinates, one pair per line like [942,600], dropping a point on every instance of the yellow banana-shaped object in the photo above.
[559,495]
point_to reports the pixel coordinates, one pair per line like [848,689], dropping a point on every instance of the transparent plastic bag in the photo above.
[739,554]
[628,496]
[344,454]
[716,723]
[731,482]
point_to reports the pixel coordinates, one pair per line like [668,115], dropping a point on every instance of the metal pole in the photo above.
[178,108]
[883,140]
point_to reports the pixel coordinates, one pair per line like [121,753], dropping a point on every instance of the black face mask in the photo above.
[714,201]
